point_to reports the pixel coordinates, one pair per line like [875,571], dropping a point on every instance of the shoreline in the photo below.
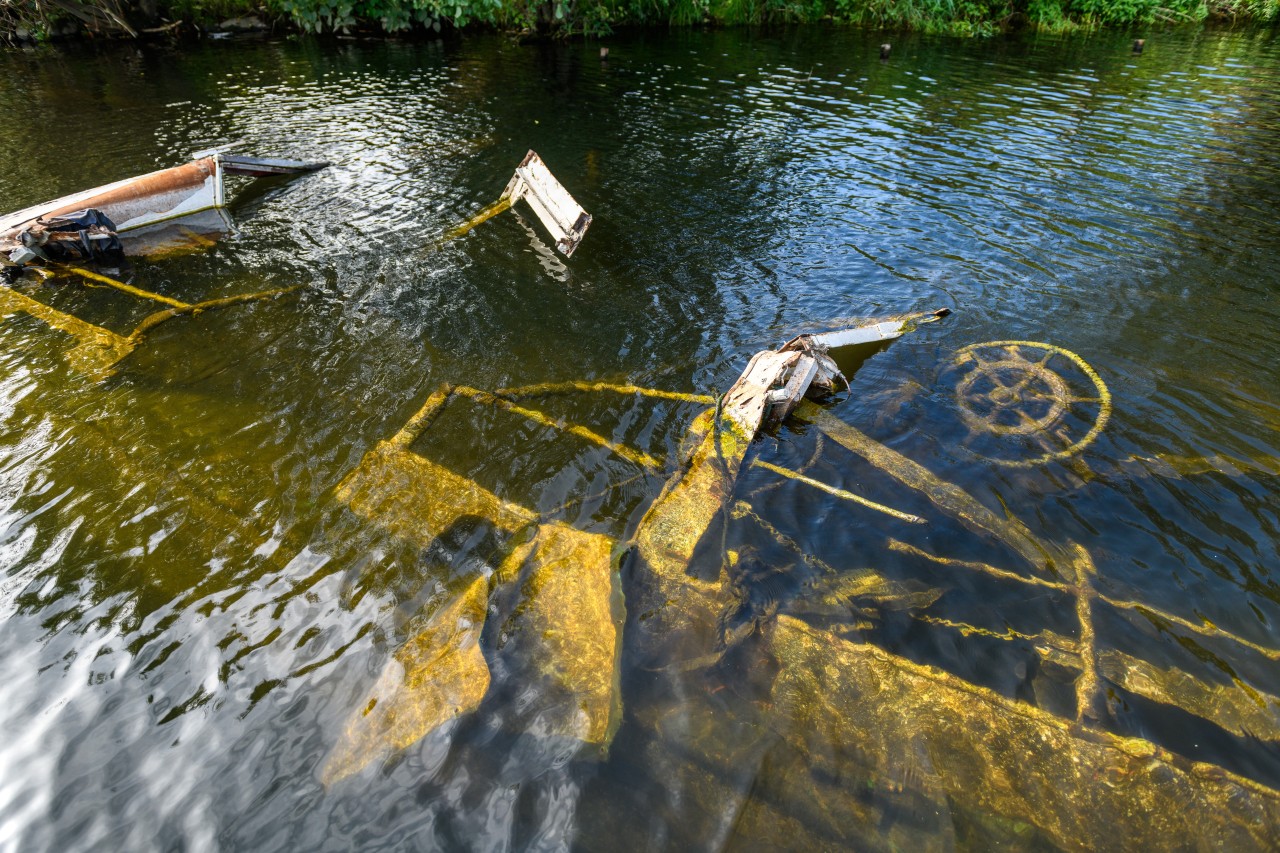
[109,21]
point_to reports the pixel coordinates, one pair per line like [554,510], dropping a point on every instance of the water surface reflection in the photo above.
[191,617]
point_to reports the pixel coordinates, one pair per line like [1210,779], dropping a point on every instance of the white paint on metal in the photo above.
[178,203]
[871,333]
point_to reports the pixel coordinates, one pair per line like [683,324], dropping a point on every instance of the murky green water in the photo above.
[190,616]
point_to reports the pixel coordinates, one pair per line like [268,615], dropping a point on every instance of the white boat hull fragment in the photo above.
[152,198]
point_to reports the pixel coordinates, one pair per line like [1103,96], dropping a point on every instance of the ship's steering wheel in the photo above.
[1010,390]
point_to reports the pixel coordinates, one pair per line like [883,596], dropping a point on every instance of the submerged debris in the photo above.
[566,630]
[1085,788]
[950,498]
[1009,391]
[98,351]
[567,626]
[682,611]
[433,678]
[148,214]
[82,235]
[138,202]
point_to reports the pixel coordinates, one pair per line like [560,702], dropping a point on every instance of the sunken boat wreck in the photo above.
[800,688]
[854,733]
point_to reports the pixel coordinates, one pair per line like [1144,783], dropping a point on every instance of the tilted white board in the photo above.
[558,212]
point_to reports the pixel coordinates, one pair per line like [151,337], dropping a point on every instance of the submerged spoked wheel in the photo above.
[1027,395]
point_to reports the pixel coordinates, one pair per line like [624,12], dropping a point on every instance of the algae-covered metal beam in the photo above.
[948,497]
[98,351]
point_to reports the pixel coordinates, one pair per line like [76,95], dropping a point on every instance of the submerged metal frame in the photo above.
[98,350]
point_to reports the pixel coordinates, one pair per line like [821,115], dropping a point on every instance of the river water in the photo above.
[190,613]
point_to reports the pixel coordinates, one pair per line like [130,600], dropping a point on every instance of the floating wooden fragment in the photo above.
[563,217]
[555,208]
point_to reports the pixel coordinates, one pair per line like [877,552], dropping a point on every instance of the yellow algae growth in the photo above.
[435,677]
[1085,789]
[680,608]
[419,500]
[948,497]
[568,626]
[97,350]
[1234,707]
[989,411]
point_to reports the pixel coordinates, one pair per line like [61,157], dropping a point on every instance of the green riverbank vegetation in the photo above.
[41,20]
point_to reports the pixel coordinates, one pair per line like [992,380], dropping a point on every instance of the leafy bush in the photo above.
[1140,11]
[958,17]
[1260,10]
[39,18]
[391,15]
